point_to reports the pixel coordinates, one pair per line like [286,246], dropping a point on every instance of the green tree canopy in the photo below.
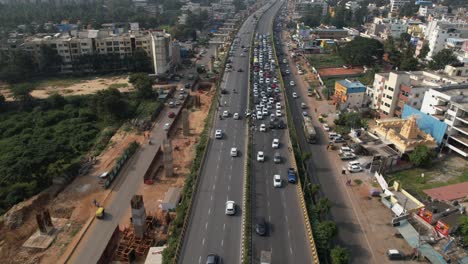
[421,156]
[361,51]
[312,17]
[442,59]
[463,221]
[324,233]
[424,51]
[339,255]
[22,92]
[110,105]
[143,84]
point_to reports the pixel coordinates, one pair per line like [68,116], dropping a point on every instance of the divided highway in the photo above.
[286,236]
[210,230]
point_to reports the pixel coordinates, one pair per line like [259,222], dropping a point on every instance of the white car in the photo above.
[267,80]
[354,168]
[278,106]
[262,128]
[292,83]
[259,115]
[344,149]
[277,181]
[275,143]
[233,152]
[167,126]
[326,127]
[354,162]
[260,156]
[236,116]
[294,95]
[300,72]
[226,113]
[348,156]
[218,134]
[230,208]
[278,113]
[303,106]
[275,80]
[265,111]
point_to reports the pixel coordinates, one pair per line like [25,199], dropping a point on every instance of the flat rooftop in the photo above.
[449,193]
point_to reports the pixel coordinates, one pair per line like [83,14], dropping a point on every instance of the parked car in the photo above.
[326,127]
[262,128]
[260,156]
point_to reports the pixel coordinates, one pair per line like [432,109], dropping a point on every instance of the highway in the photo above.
[324,170]
[210,230]
[280,207]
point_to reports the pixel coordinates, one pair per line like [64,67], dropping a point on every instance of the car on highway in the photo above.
[265,111]
[260,226]
[277,181]
[230,208]
[303,106]
[218,134]
[277,157]
[279,113]
[233,152]
[287,72]
[294,95]
[275,143]
[326,127]
[167,126]
[212,259]
[292,83]
[304,113]
[171,115]
[225,113]
[292,176]
[236,116]
[278,105]
[260,156]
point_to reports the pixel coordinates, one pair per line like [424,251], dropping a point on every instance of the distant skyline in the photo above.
[45,1]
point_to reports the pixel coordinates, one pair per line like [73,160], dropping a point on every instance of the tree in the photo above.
[22,92]
[463,221]
[339,255]
[314,190]
[110,105]
[312,17]
[361,51]
[442,59]
[323,234]
[143,84]
[49,61]
[424,51]
[421,156]
[323,207]
[408,64]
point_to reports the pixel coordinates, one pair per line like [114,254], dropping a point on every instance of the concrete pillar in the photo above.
[138,215]
[167,158]
[185,121]
[44,222]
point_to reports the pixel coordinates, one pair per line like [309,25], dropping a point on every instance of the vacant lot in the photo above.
[450,171]
[325,60]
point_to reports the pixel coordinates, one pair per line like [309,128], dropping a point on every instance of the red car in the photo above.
[273,85]
[171,115]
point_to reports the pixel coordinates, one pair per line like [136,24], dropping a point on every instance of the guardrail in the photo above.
[198,165]
[294,146]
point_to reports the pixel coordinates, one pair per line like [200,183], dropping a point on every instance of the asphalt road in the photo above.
[280,207]
[96,238]
[325,171]
[222,176]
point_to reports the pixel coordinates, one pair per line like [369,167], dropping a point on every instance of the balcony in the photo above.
[463,119]
[442,108]
[462,129]
[458,144]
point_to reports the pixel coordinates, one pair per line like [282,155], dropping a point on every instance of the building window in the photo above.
[416,95]
[109,43]
[74,45]
[387,104]
[109,49]
[391,89]
[116,43]
[415,103]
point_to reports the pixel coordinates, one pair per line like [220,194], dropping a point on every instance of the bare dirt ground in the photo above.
[74,203]
[329,72]
[85,86]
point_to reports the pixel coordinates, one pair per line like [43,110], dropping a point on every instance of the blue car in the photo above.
[292,176]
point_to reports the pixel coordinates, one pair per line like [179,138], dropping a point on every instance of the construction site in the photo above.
[48,227]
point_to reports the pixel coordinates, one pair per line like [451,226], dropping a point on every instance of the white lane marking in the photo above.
[290,250]
[206,225]
[199,259]
[211,197]
[224,227]
[214,187]
[222,242]
[289,235]
[209,211]
[203,241]
[229,188]
[268,204]
[269,219]
[286,218]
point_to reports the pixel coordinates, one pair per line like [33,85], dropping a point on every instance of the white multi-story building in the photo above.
[434,10]
[391,91]
[438,31]
[161,52]
[450,105]
[395,5]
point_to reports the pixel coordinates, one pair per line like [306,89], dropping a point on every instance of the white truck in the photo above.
[265,257]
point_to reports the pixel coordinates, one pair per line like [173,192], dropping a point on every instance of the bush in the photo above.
[421,156]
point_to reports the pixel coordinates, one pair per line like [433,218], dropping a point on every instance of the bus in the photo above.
[309,130]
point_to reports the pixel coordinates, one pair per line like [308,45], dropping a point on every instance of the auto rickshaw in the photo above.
[100,212]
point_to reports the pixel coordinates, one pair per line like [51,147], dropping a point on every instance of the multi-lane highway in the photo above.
[210,230]
[326,172]
[286,236]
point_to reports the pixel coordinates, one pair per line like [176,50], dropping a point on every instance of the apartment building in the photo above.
[436,11]
[450,105]
[438,31]
[72,45]
[395,5]
[302,7]
[391,91]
